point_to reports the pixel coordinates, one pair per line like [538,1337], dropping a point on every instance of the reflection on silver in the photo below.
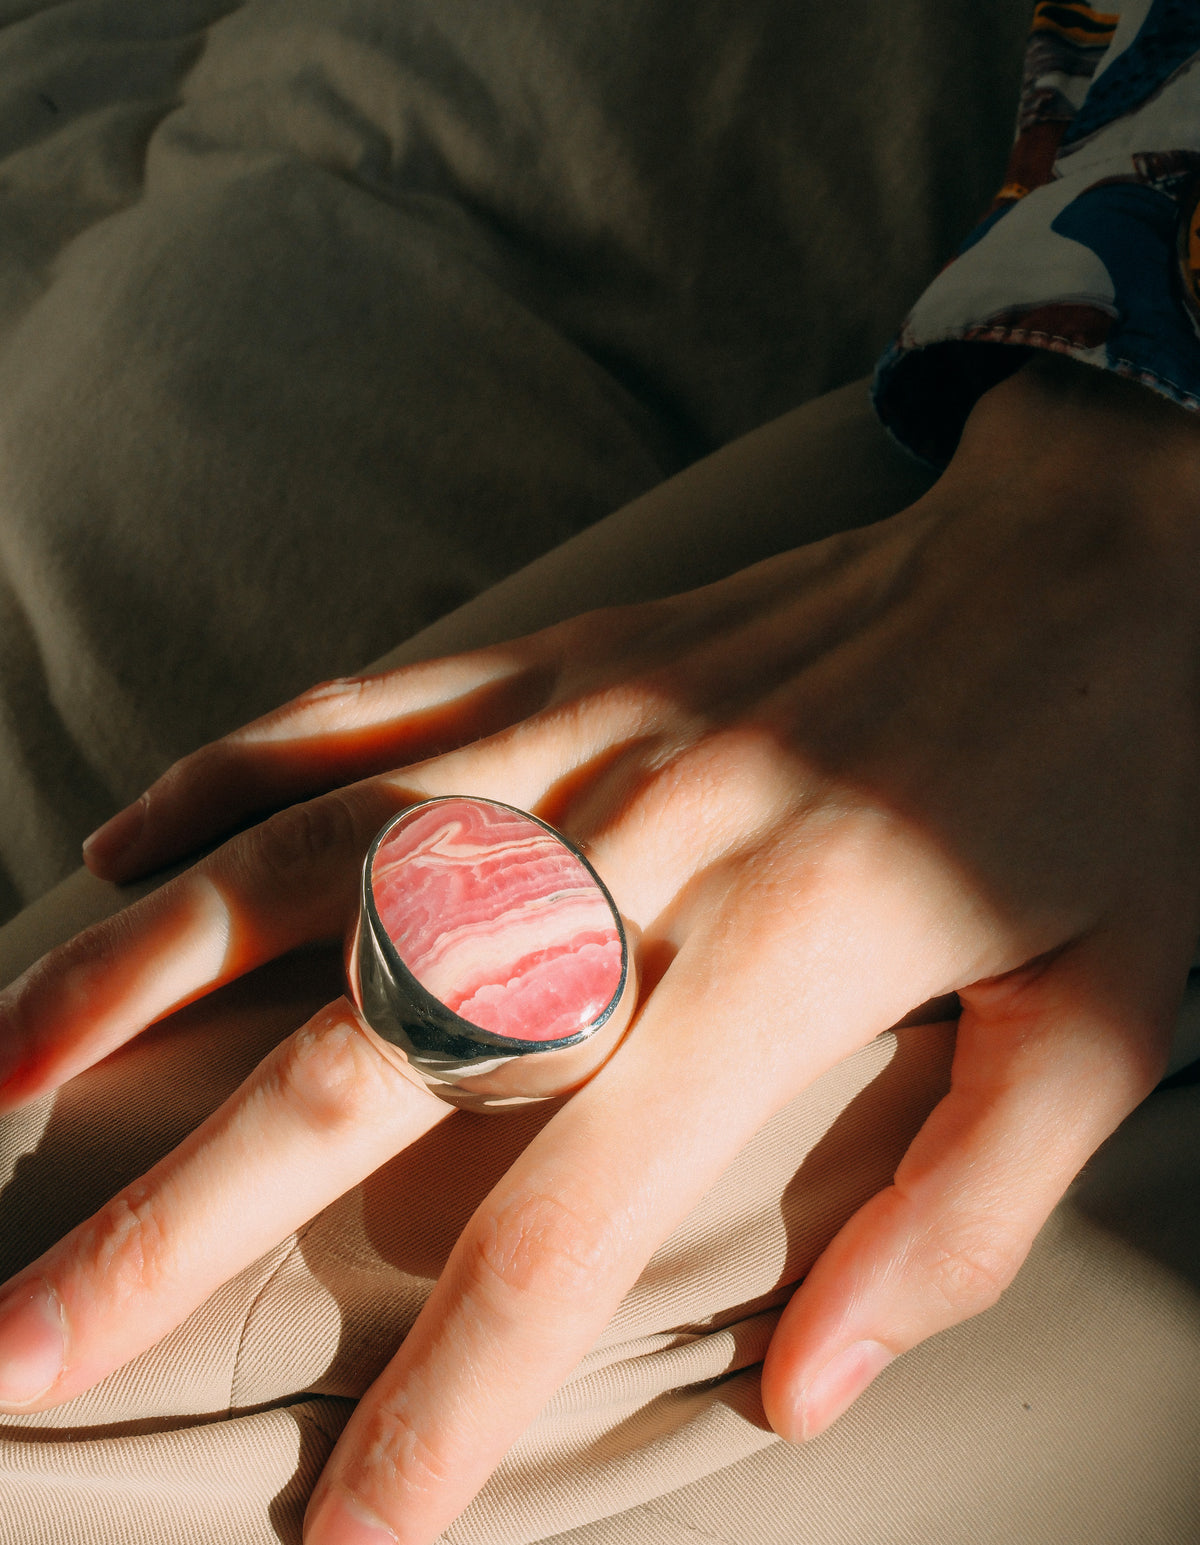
[459,1061]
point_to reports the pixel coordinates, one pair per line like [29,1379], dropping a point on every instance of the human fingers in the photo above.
[745,1016]
[1049,1060]
[346,730]
[290,881]
[236,1165]
[320,1113]
[337,732]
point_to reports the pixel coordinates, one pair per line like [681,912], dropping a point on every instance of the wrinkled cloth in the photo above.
[318,317]
[1092,245]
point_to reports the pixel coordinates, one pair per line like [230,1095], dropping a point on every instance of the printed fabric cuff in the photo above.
[1103,265]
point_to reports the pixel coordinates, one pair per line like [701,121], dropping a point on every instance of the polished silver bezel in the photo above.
[460,1061]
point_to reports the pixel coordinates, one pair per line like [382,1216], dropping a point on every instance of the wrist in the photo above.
[1086,443]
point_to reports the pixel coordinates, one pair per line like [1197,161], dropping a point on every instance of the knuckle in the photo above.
[73,976]
[220,765]
[630,624]
[537,1247]
[127,1245]
[328,704]
[395,1454]
[207,766]
[96,948]
[969,1273]
[294,842]
[322,704]
[337,688]
[330,1076]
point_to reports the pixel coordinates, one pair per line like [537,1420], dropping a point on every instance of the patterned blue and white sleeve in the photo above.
[1092,246]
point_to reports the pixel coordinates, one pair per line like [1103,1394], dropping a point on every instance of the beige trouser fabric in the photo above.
[317,317]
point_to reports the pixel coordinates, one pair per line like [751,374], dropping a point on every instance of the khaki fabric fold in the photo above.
[319,317]
[1068,1414]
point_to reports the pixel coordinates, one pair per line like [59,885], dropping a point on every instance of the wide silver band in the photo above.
[459,1061]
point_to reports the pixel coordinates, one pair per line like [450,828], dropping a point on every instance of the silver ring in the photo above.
[489,953]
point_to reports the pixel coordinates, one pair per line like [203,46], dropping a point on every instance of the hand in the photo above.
[956,751]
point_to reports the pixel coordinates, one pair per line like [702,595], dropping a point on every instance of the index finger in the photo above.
[335,733]
[291,881]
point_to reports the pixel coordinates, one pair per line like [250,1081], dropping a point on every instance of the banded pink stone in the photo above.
[498,919]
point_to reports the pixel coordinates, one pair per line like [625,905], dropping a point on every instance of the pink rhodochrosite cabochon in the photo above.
[498,919]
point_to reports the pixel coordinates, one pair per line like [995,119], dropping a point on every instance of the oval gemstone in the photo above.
[498,919]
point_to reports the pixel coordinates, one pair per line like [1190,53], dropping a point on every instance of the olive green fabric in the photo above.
[318,317]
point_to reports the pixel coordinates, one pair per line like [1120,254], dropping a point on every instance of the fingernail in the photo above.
[838,1386]
[339,1521]
[108,842]
[32,1345]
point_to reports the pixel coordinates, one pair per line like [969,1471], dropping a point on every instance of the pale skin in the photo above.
[955,751]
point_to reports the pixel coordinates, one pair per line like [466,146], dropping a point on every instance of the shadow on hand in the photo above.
[64,1157]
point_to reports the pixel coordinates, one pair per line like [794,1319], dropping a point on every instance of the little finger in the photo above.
[291,881]
[326,1108]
